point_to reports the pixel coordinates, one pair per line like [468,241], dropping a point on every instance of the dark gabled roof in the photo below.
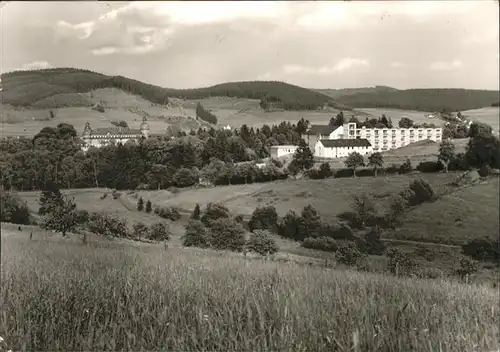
[339,143]
[116,131]
[320,129]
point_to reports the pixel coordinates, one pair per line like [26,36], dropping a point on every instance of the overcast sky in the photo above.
[407,44]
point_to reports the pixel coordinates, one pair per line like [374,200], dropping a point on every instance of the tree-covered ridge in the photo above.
[24,88]
[421,99]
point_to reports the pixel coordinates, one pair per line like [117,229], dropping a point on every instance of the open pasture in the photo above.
[63,295]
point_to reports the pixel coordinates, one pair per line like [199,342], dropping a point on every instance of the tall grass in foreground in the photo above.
[65,297]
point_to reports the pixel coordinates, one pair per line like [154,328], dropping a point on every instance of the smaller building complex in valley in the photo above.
[379,139]
[341,148]
[278,151]
[101,137]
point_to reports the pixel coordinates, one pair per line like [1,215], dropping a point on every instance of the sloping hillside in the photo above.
[415,99]
[54,88]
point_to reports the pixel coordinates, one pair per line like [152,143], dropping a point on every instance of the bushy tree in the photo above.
[171,213]
[196,235]
[303,159]
[397,207]
[13,209]
[289,226]
[376,160]
[406,167]
[140,204]
[483,147]
[363,207]
[149,206]
[373,243]
[214,211]
[467,267]
[195,215]
[262,243]
[107,225]
[446,153]
[326,244]
[185,178]
[325,170]
[353,161]
[159,231]
[348,253]
[400,263]
[227,234]
[310,223]
[421,192]
[50,198]
[140,230]
[61,216]
[264,218]
[405,123]
[482,249]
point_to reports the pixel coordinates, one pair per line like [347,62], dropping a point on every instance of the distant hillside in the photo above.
[415,99]
[337,93]
[26,88]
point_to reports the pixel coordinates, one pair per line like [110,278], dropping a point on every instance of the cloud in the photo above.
[445,66]
[35,65]
[341,65]
[397,64]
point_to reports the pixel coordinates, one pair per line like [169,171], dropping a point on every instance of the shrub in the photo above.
[372,242]
[149,206]
[195,215]
[103,196]
[140,230]
[326,244]
[264,218]
[107,225]
[115,194]
[13,209]
[406,167]
[140,204]
[342,232]
[467,267]
[185,178]
[397,207]
[171,213]
[393,169]
[196,235]
[426,253]
[419,192]
[340,173]
[482,249]
[430,166]
[348,253]
[458,163]
[159,232]
[485,170]
[214,211]
[400,263]
[227,234]
[289,226]
[260,242]
[82,216]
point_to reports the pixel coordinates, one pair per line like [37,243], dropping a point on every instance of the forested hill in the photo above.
[24,88]
[414,99]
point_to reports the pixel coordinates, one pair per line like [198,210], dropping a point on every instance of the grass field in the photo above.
[62,295]
[396,115]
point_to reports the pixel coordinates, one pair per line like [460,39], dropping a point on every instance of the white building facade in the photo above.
[277,151]
[101,137]
[316,132]
[341,148]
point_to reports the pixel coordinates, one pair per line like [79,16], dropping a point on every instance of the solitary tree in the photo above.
[353,161]
[303,158]
[405,123]
[140,204]
[62,217]
[377,161]
[149,206]
[195,215]
[446,153]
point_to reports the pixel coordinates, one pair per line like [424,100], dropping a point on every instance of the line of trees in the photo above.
[220,157]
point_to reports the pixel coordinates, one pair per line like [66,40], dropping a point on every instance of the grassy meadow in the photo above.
[62,295]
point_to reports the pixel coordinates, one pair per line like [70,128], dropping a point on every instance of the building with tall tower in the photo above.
[101,137]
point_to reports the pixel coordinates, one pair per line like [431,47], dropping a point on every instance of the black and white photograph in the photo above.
[250,176]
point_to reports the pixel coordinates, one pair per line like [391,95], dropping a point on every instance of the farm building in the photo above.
[316,132]
[282,150]
[340,148]
[105,136]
